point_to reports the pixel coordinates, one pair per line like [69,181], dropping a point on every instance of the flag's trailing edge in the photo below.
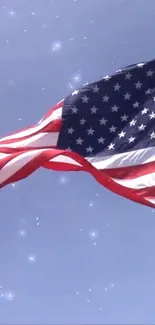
[106,128]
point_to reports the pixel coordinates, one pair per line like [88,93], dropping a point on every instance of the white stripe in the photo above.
[150,200]
[38,140]
[17,163]
[132,158]
[138,182]
[44,117]
[54,116]
[141,156]
[64,159]
[4,155]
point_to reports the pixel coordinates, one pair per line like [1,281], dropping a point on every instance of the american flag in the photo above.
[106,128]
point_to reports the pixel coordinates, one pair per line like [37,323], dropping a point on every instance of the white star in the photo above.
[82,121]
[128,76]
[111,146]
[119,70]
[74,110]
[131,139]
[85,99]
[95,89]
[103,121]
[101,140]
[152,136]
[127,96]
[145,110]
[133,122]
[117,87]
[122,134]
[70,130]
[136,104]
[124,118]
[107,78]
[105,98]
[89,149]
[75,92]
[94,109]
[114,108]
[138,85]
[79,141]
[148,91]
[90,131]
[142,127]
[150,73]
[112,129]
[152,115]
[140,65]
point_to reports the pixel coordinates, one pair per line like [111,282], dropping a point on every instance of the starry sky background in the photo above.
[70,251]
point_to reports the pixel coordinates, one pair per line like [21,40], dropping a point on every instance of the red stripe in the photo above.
[106,181]
[101,177]
[5,160]
[19,150]
[122,173]
[65,167]
[14,140]
[60,104]
[131,172]
[146,192]
[53,126]
[29,168]
[41,160]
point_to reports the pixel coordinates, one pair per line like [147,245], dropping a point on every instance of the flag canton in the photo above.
[113,115]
